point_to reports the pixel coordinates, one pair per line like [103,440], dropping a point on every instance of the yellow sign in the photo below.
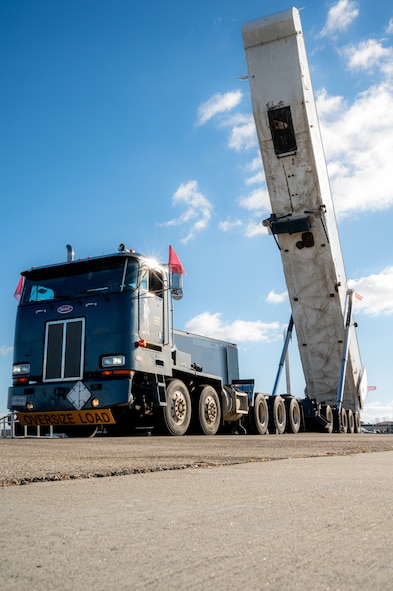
[66,418]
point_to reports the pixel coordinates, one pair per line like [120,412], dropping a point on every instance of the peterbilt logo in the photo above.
[65,309]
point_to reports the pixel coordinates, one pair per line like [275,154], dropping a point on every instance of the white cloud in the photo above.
[358,143]
[198,210]
[339,17]
[366,55]
[4,350]
[255,228]
[389,28]
[377,411]
[239,331]
[218,103]
[229,224]
[377,293]
[243,135]
[256,201]
[276,298]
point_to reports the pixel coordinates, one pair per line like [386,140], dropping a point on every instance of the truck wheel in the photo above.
[258,416]
[176,415]
[351,421]
[328,414]
[343,421]
[356,416]
[209,411]
[277,415]
[293,415]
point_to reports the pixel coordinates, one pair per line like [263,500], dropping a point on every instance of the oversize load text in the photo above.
[83,417]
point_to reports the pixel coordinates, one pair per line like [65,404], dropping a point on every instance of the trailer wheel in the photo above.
[278,417]
[258,416]
[328,414]
[293,415]
[356,416]
[343,427]
[209,411]
[351,421]
[176,415]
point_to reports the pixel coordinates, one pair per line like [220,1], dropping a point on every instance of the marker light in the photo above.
[95,402]
[29,406]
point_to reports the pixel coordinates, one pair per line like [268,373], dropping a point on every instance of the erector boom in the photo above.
[303,219]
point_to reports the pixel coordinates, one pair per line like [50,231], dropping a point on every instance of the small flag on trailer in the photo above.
[174,263]
[19,287]
[371,388]
[358,296]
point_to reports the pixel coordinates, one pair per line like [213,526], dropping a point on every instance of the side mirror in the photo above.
[177,286]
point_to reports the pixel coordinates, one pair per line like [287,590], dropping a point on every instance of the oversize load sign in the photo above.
[72,417]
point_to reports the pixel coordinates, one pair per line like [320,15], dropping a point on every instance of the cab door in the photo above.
[151,307]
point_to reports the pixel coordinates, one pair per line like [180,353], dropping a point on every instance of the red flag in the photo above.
[371,388]
[358,296]
[174,263]
[19,287]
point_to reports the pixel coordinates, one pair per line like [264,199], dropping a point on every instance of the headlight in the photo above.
[113,361]
[21,369]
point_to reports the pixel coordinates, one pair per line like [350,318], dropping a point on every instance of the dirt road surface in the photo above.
[308,512]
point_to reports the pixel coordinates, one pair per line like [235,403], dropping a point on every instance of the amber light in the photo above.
[20,381]
[117,372]
[141,343]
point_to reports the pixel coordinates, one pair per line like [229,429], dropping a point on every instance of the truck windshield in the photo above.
[80,278]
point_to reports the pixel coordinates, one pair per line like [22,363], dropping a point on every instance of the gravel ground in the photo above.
[23,461]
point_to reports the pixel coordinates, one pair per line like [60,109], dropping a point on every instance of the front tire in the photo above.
[176,415]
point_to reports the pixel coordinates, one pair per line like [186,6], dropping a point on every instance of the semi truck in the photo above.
[95,346]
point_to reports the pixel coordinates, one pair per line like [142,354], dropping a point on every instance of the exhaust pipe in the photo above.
[70,253]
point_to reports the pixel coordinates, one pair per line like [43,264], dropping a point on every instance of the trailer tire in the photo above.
[356,416]
[328,414]
[277,413]
[293,415]
[209,411]
[343,421]
[351,421]
[176,415]
[258,416]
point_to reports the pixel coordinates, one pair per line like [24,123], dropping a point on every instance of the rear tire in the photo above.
[343,421]
[209,411]
[258,416]
[356,416]
[351,421]
[277,413]
[293,415]
[328,414]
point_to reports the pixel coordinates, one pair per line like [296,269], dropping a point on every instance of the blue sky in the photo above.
[129,122]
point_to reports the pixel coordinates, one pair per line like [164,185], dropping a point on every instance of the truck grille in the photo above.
[64,350]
